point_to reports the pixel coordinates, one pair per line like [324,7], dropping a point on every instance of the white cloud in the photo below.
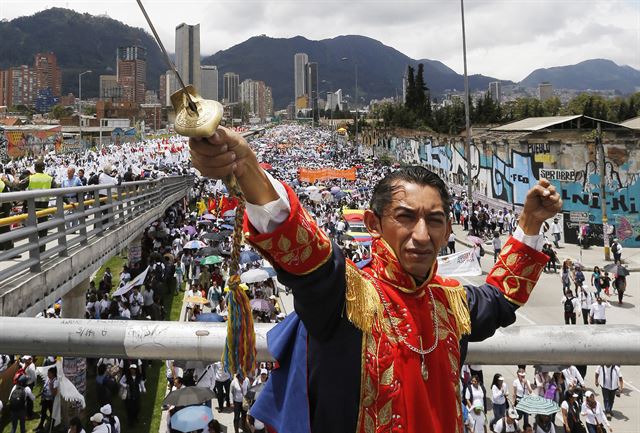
[505,38]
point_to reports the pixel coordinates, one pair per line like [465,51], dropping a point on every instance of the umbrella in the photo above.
[345,237]
[311,188]
[190,230]
[617,269]
[536,405]
[188,396]
[209,317]
[204,222]
[266,165]
[254,276]
[269,270]
[261,305]
[196,300]
[248,257]
[208,216]
[194,245]
[475,239]
[226,226]
[191,418]
[335,189]
[211,260]
[207,251]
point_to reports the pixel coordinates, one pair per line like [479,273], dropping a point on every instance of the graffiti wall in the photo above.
[37,141]
[506,172]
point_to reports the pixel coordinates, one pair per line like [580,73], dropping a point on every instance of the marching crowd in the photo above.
[187,253]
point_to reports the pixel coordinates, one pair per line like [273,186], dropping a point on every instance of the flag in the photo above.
[227,204]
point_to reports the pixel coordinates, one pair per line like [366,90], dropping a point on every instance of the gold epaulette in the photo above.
[457,299]
[363,303]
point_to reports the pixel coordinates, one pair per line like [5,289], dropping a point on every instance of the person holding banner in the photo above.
[376,349]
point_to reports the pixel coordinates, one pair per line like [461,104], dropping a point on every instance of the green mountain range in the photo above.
[85,42]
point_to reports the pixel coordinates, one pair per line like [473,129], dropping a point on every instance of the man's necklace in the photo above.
[404,338]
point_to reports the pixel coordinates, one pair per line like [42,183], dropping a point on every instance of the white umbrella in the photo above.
[254,276]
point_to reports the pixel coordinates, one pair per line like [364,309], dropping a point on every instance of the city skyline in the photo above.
[505,39]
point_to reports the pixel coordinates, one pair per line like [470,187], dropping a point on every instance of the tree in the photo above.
[411,101]
[59,111]
[420,97]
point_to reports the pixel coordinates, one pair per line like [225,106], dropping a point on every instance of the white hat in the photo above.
[477,404]
[106,409]
[97,417]
[272,297]
[512,413]
[264,371]
[133,366]
[500,378]
[588,394]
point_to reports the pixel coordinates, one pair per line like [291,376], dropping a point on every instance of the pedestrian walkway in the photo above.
[588,258]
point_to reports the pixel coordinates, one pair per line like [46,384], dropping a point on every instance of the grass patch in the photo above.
[116,264]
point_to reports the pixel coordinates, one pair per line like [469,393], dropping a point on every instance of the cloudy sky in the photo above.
[505,38]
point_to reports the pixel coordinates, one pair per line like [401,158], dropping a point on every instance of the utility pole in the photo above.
[603,192]
[467,143]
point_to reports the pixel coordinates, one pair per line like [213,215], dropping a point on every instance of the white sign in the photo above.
[559,175]
[462,264]
[579,217]
[137,281]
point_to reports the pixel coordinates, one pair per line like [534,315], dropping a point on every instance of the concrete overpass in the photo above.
[79,239]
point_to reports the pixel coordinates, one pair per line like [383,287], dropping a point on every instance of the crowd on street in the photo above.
[186,253]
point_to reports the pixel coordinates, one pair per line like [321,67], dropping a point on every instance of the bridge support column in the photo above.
[75,369]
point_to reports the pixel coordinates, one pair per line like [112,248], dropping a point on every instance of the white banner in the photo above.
[462,264]
[137,281]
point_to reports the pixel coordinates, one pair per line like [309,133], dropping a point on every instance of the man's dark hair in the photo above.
[383,192]
[39,166]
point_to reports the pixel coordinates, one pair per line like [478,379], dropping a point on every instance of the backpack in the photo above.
[112,423]
[18,398]
[568,305]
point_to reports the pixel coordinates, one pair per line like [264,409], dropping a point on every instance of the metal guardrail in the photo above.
[71,224]
[201,341]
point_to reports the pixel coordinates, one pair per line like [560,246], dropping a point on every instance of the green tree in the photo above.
[551,106]
[411,101]
[59,111]
[420,95]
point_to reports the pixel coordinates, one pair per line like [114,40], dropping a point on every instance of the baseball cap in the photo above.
[133,366]
[264,371]
[576,395]
[477,404]
[97,417]
[500,378]
[588,394]
[512,413]
[106,409]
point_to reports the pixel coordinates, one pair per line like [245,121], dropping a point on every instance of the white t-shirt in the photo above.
[609,377]
[597,310]
[521,389]
[239,391]
[478,421]
[472,393]
[499,394]
[499,426]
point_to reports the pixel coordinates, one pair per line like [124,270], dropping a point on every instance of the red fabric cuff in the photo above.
[517,270]
[297,245]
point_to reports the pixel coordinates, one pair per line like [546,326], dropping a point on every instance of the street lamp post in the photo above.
[356,97]
[467,142]
[80,104]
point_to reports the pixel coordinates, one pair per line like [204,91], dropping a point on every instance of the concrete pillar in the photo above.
[75,369]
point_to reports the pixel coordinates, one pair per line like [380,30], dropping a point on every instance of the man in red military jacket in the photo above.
[379,348]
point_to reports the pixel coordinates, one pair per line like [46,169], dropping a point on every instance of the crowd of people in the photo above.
[174,253]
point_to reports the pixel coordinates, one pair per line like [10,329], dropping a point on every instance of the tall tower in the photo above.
[312,86]
[231,84]
[188,54]
[300,61]
[209,78]
[48,73]
[132,73]
[495,91]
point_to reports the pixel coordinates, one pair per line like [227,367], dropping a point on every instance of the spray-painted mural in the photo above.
[32,142]
[503,173]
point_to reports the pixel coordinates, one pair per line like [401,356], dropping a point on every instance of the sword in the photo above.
[192,104]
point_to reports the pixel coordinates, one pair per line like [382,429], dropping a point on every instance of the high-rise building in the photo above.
[300,61]
[21,86]
[545,91]
[188,54]
[48,73]
[231,91]
[312,86]
[4,85]
[209,78]
[268,101]
[334,99]
[110,90]
[167,87]
[132,72]
[495,91]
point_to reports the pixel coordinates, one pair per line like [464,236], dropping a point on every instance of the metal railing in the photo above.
[104,207]
[201,341]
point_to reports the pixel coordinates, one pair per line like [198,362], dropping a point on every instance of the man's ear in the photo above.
[373,223]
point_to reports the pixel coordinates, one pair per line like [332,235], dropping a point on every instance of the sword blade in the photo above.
[167,59]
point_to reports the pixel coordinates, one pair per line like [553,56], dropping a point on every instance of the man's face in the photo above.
[70,173]
[415,225]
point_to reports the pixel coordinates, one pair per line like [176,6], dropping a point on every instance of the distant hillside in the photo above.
[380,68]
[80,42]
[596,74]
